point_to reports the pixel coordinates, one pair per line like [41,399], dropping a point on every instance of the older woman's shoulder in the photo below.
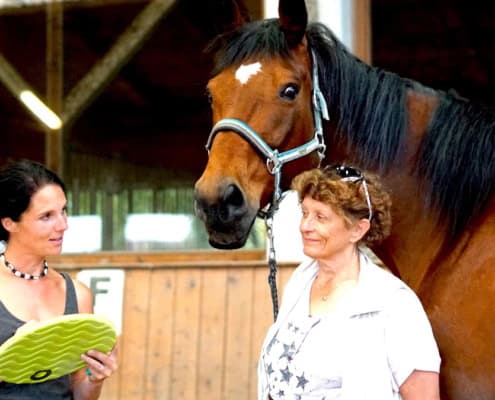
[379,276]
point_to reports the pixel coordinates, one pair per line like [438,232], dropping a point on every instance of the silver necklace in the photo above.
[324,297]
[344,283]
[22,274]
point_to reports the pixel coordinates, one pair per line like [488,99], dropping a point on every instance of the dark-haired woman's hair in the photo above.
[19,181]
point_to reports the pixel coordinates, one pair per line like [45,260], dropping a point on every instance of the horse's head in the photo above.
[261,96]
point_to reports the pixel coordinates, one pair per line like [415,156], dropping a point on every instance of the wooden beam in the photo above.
[87,89]
[54,139]
[34,6]
[20,88]
[12,80]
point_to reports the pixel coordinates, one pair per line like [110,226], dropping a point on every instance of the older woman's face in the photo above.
[325,234]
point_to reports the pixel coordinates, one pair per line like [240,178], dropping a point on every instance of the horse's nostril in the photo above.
[233,196]
[221,211]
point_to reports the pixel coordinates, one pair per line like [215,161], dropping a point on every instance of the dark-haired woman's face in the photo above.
[41,227]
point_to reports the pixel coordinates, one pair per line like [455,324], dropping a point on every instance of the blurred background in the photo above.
[127,79]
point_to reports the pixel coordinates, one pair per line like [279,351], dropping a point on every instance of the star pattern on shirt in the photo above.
[301,381]
[288,350]
[293,327]
[272,343]
[286,379]
[286,374]
[269,369]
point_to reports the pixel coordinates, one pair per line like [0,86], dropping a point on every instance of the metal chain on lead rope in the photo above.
[272,263]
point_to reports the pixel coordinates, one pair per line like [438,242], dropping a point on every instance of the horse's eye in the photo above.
[209,96]
[289,92]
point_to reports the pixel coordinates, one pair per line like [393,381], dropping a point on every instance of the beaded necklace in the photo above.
[22,274]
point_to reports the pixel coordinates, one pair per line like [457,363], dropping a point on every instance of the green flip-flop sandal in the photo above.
[46,350]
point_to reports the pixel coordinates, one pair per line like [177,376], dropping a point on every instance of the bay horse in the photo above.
[274,82]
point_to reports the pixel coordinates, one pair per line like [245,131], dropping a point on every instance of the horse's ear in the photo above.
[293,20]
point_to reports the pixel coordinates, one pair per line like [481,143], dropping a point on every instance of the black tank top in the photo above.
[55,389]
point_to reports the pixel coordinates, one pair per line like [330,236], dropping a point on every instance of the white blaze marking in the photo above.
[244,72]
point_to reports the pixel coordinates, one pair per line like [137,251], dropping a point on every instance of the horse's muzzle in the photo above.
[227,216]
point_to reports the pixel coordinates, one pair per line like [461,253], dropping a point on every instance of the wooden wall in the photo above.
[193,322]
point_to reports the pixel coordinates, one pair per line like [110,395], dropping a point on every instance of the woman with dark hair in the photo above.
[347,328]
[33,219]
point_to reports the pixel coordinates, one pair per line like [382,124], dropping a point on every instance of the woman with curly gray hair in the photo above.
[347,328]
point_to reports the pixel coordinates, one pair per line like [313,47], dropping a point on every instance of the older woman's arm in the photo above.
[420,385]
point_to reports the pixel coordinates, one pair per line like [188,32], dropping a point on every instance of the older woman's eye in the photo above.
[321,217]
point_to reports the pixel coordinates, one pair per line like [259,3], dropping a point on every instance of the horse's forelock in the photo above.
[257,39]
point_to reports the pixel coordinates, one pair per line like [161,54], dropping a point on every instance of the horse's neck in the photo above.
[415,241]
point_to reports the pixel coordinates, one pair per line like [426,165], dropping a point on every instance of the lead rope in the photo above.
[272,263]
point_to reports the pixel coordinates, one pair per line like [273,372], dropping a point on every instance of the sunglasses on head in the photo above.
[350,174]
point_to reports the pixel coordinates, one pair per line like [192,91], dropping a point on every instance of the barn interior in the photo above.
[128,78]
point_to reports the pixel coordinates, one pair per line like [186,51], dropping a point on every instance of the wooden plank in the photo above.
[161,331]
[135,331]
[110,259]
[262,320]
[111,387]
[238,367]
[212,334]
[107,222]
[186,335]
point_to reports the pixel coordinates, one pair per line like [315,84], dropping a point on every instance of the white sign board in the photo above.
[107,286]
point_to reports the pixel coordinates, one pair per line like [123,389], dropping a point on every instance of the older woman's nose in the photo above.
[306,223]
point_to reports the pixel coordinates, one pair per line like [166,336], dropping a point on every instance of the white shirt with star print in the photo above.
[366,350]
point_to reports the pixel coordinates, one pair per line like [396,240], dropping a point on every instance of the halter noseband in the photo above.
[275,160]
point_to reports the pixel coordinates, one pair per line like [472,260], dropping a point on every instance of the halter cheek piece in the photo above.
[274,159]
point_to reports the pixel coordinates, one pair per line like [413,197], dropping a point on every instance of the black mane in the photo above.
[456,159]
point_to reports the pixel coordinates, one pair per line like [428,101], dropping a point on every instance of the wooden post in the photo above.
[362,30]
[54,139]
